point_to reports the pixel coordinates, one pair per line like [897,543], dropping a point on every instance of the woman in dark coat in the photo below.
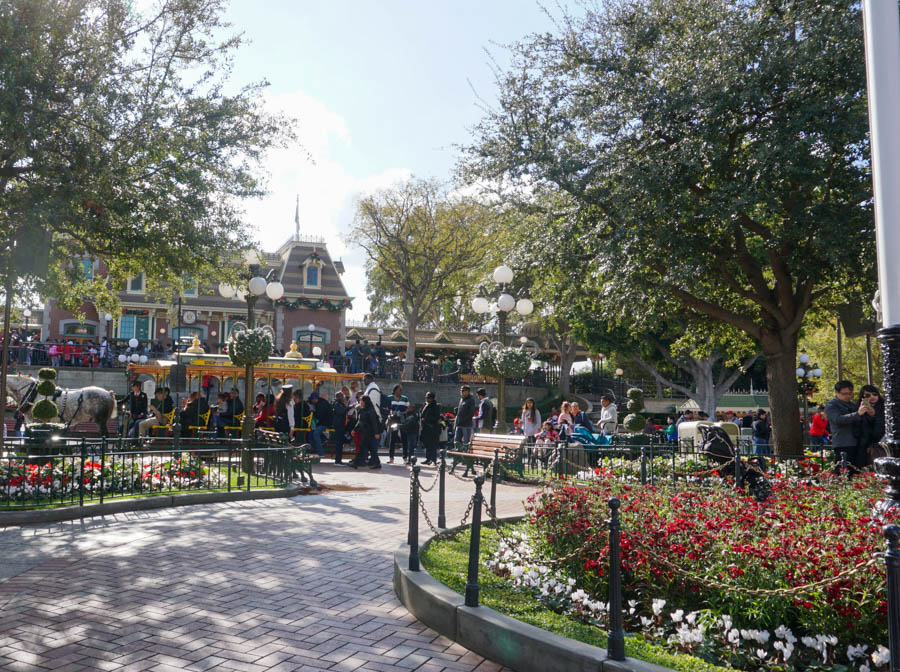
[281,423]
[431,428]
[369,427]
[872,426]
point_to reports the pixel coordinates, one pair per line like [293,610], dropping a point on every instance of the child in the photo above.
[548,435]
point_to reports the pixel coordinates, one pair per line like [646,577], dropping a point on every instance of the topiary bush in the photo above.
[247,348]
[503,362]
[45,410]
[634,421]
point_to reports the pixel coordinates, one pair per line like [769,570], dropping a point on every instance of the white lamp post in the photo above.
[506,302]
[311,329]
[256,286]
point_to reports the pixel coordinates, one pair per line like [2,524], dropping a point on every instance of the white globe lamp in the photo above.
[317,351]
[506,302]
[133,343]
[226,290]
[817,372]
[275,290]
[257,286]
[122,359]
[503,275]
[480,305]
[803,358]
[311,328]
[800,373]
[524,306]
[107,317]
[620,372]
[135,358]
[143,359]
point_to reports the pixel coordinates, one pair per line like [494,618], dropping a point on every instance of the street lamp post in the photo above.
[27,314]
[503,276]
[257,285]
[311,329]
[807,378]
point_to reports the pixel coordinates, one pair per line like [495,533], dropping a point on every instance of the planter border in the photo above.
[499,638]
[28,517]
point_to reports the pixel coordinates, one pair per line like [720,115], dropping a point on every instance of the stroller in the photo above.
[751,472]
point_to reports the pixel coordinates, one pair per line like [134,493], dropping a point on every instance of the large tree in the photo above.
[720,149]
[121,141]
[424,248]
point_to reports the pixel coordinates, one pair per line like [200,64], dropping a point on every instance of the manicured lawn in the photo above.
[447,561]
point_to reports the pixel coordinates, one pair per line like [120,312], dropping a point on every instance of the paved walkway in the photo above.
[275,585]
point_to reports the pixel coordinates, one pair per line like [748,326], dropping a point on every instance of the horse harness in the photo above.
[28,400]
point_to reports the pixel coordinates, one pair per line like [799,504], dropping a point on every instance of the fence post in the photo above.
[643,467]
[102,469]
[616,642]
[442,514]
[737,470]
[494,474]
[81,478]
[892,565]
[474,545]
[414,520]
[652,460]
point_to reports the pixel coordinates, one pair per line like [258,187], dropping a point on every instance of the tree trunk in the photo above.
[567,354]
[409,364]
[780,350]
[705,386]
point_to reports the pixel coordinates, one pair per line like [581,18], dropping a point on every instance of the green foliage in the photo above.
[634,422]
[44,410]
[46,388]
[123,141]
[505,362]
[47,374]
[635,394]
[635,405]
[820,344]
[250,347]
[715,156]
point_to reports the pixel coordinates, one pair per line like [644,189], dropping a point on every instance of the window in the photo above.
[86,268]
[320,337]
[136,284]
[312,276]
[190,286]
[134,326]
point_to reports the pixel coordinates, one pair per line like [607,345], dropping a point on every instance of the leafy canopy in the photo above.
[121,141]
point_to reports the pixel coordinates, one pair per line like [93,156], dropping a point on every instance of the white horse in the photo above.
[86,404]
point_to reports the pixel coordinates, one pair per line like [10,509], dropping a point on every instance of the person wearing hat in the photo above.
[136,407]
[484,417]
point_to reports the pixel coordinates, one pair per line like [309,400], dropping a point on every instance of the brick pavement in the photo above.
[274,585]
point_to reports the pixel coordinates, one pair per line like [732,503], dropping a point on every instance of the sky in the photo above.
[382,89]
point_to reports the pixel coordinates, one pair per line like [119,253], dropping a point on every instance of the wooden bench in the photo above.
[302,459]
[481,451]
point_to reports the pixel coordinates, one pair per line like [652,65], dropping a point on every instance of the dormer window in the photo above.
[312,271]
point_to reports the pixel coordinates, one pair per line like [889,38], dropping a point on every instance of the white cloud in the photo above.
[327,192]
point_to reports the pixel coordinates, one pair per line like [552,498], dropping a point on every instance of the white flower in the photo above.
[677,615]
[658,606]
[646,621]
[810,642]
[854,652]
[761,653]
[726,622]
[881,656]
[734,637]
[632,606]
[691,617]
[864,668]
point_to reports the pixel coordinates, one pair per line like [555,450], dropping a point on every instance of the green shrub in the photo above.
[247,348]
[44,410]
[47,374]
[46,388]
[635,393]
[634,422]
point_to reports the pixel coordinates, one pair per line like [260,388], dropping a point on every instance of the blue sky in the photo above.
[382,90]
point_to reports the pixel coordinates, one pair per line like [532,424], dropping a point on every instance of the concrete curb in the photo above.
[501,639]
[12,518]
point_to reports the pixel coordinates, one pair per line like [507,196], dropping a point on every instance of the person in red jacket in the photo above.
[818,427]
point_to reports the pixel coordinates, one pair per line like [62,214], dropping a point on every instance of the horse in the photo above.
[86,404]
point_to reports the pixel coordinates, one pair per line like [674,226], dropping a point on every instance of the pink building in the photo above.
[313,295]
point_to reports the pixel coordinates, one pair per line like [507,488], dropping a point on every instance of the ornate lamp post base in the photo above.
[888,468]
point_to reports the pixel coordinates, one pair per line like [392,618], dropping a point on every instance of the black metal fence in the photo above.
[79,471]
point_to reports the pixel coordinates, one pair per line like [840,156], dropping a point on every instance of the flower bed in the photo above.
[699,565]
[60,479]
